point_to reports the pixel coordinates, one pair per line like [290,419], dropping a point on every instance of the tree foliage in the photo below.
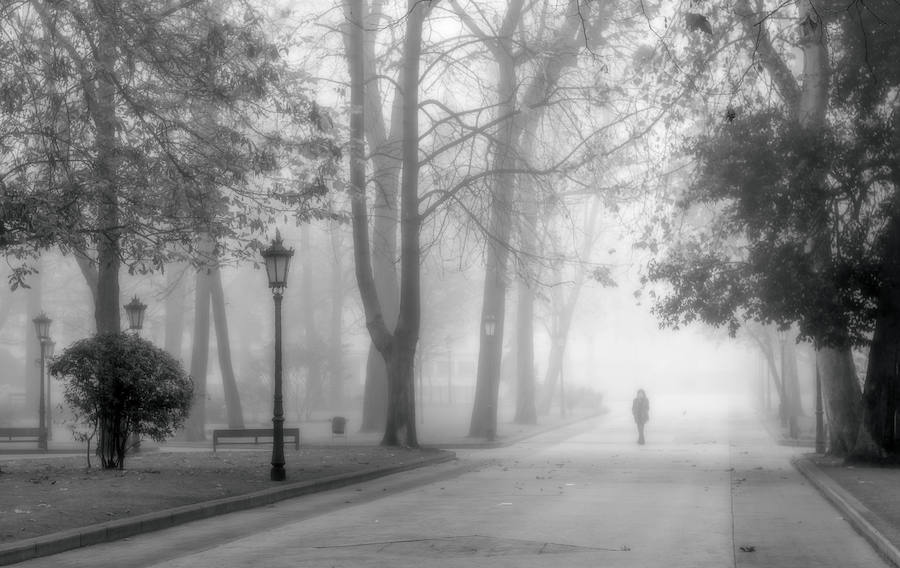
[119,384]
[759,183]
[186,112]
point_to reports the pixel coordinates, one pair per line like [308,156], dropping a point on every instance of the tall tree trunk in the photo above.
[401,418]
[375,319]
[526,409]
[106,310]
[195,427]
[335,350]
[483,423]
[32,374]
[175,306]
[233,408]
[386,167]
[840,387]
[314,390]
[565,311]
[882,388]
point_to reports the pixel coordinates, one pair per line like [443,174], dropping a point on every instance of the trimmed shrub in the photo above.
[119,384]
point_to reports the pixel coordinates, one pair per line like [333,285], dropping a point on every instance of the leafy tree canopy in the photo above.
[212,128]
[759,191]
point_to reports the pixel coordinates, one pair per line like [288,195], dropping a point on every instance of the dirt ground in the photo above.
[39,496]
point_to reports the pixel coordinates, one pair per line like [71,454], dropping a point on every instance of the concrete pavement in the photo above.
[708,490]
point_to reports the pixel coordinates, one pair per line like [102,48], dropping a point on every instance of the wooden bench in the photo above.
[255,434]
[16,434]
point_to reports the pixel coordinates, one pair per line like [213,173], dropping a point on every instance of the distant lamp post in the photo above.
[278,262]
[42,328]
[135,310]
[490,330]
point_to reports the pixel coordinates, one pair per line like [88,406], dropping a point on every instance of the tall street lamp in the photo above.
[278,262]
[42,328]
[135,311]
[490,329]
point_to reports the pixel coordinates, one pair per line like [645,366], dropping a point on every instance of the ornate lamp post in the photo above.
[278,262]
[135,311]
[490,329]
[42,328]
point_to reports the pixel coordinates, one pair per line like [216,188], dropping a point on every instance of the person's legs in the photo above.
[640,433]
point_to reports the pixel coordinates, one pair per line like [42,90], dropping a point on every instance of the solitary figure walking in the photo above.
[640,408]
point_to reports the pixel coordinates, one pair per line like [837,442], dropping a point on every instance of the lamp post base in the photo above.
[277,473]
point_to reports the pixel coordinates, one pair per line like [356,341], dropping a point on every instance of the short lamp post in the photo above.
[278,262]
[135,311]
[42,328]
[490,330]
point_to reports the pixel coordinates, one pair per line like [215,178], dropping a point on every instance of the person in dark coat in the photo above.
[640,408]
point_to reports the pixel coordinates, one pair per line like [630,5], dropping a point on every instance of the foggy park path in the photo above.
[708,483]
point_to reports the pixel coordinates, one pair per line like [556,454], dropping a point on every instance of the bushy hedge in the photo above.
[119,384]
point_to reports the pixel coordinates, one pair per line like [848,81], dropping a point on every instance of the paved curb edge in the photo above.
[850,507]
[515,439]
[115,530]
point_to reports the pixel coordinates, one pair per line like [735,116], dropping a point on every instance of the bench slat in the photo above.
[11,433]
[255,433]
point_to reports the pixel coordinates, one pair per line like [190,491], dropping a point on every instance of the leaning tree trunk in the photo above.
[386,167]
[233,410]
[483,423]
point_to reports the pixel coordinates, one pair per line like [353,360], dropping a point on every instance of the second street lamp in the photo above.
[42,329]
[135,310]
[278,262]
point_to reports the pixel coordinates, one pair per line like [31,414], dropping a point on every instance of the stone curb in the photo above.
[856,513]
[115,530]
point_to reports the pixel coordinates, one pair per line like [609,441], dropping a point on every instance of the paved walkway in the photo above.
[702,493]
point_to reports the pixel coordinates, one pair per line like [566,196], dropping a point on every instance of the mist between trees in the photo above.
[481,196]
